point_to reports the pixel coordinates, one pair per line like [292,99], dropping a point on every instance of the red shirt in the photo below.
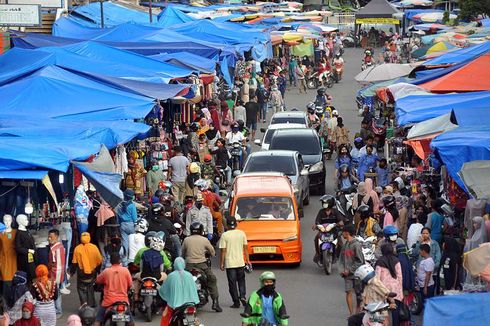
[116,280]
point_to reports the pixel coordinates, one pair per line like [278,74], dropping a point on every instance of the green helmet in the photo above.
[267,276]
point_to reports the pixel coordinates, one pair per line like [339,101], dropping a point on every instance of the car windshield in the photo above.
[304,145]
[300,120]
[264,209]
[284,164]
[268,135]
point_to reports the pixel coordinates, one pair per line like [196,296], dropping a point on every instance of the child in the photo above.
[425,269]
[383,173]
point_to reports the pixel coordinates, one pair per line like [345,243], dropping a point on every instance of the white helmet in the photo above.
[141,225]
[202,184]
[157,243]
[364,273]
[335,112]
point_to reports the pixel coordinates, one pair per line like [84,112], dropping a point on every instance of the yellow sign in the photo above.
[392,21]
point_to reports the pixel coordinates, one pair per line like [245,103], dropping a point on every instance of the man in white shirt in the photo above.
[233,245]
[414,231]
[240,113]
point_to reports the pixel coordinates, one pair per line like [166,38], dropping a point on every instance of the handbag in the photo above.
[403,312]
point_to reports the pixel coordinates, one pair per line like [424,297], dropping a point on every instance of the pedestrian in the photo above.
[351,258]
[86,261]
[340,134]
[199,213]
[154,177]
[240,113]
[479,235]
[233,246]
[389,271]
[56,265]
[425,269]
[282,83]
[367,162]
[415,229]
[300,71]
[265,306]
[226,118]
[435,250]
[435,220]
[19,294]
[252,113]
[276,100]
[177,173]
[451,263]
[127,215]
[45,292]
[293,64]
[382,173]
[28,318]
[262,100]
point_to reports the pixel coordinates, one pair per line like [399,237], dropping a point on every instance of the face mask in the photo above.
[211,128]
[269,290]
[155,167]
[26,315]
[393,237]
[198,205]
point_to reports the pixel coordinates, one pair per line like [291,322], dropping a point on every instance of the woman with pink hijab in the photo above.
[371,193]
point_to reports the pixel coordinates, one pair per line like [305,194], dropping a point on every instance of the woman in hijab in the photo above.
[372,194]
[361,197]
[212,134]
[19,294]
[178,289]
[45,292]
[389,271]
[28,318]
[479,235]
[226,118]
[74,320]
[451,262]
[127,216]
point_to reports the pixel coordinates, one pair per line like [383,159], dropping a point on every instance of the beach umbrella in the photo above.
[440,46]
[383,72]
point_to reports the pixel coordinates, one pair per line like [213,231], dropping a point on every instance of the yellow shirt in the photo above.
[233,241]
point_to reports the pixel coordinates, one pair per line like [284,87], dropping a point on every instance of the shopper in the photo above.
[177,172]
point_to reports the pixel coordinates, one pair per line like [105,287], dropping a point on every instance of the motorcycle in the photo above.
[201,285]
[149,296]
[236,151]
[327,242]
[366,65]
[185,315]
[118,314]
[368,249]
[313,82]
[337,74]
[344,200]
[376,313]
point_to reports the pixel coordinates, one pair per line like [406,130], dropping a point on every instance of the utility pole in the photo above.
[101,13]
[150,12]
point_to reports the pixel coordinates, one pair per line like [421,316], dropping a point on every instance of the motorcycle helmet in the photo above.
[328,201]
[87,315]
[166,186]
[208,158]
[141,225]
[310,107]
[267,276]
[197,228]
[157,209]
[364,211]
[194,168]
[358,143]
[321,91]
[157,243]
[159,192]
[148,237]
[390,232]
[241,123]
[194,126]
[389,201]
[344,168]
[335,113]
[364,273]
[201,184]
[166,199]
[367,52]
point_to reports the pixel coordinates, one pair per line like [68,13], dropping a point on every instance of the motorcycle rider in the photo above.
[322,98]
[374,291]
[368,59]
[326,215]
[221,158]
[160,221]
[195,248]
[209,170]
[346,180]
[343,158]
[338,63]
[117,282]
[391,236]
[313,120]
[367,226]
[137,240]
[202,214]
[212,201]
[323,70]
[235,136]
[355,153]
[265,306]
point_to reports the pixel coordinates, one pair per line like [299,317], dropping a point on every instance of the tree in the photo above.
[445,18]
[471,9]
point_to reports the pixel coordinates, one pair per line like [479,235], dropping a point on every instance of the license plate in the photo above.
[264,250]
[189,320]
[148,292]
[119,317]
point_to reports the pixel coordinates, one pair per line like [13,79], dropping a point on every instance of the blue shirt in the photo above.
[342,160]
[365,163]
[130,215]
[436,221]
[345,183]
[382,176]
[268,310]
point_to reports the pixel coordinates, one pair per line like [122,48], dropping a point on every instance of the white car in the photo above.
[297,117]
[269,132]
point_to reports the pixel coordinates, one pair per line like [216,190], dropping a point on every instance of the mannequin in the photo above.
[25,248]
[8,256]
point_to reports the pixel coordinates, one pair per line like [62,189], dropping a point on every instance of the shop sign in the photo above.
[20,15]
[388,21]
[42,3]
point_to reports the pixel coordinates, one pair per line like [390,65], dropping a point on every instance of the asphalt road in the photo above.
[311,297]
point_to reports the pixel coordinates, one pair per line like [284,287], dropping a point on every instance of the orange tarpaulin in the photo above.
[469,78]
[421,145]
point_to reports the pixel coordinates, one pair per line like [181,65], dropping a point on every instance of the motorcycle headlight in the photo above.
[317,167]
[289,239]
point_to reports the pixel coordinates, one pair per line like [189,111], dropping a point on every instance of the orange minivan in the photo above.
[265,207]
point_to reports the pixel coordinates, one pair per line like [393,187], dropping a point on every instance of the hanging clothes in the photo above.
[8,256]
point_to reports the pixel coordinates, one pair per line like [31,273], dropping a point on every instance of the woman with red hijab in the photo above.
[28,318]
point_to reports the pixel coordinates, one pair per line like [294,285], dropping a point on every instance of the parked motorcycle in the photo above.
[118,314]
[327,242]
[368,249]
[185,315]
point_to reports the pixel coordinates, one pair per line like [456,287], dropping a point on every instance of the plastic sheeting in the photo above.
[458,310]
[400,90]
[56,93]
[462,55]
[188,60]
[468,107]
[461,145]
[476,178]
[23,174]
[173,16]
[432,126]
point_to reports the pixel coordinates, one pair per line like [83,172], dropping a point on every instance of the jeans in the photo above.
[127,228]
[57,304]
[86,293]
[228,174]
[263,110]
[292,79]
[176,243]
[66,226]
[430,293]
[236,276]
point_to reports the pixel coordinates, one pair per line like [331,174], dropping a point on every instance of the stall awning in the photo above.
[23,174]
[476,178]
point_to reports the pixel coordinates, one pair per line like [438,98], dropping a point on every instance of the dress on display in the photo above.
[25,261]
[8,256]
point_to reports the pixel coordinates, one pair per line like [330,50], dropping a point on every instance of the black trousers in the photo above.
[355,320]
[86,293]
[236,276]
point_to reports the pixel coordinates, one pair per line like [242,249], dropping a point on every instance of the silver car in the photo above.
[288,162]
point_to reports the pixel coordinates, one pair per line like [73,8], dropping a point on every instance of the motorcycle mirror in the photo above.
[262,129]
[177,225]
[305,172]
[257,142]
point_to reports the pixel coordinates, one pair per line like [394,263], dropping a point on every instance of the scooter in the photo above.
[366,65]
[368,249]
[337,74]
[118,314]
[327,242]
[376,313]
[236,151]
[185,315]
[149,295]
[344,200]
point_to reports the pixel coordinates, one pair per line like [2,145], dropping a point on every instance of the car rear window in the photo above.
[305,145]
[300,120]
[264,209]
[284,164]
[268,135]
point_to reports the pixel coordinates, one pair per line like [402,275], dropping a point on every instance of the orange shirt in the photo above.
[116,280]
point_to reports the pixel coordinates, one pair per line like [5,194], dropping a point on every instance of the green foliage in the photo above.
[471,9]
[445,18]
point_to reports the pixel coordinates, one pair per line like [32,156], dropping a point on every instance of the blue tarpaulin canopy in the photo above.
[56,93]
[417,108]
[188,60]
[23,174]
[173,16]
[461,55]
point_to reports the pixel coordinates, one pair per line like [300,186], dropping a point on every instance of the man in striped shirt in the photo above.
[56,264]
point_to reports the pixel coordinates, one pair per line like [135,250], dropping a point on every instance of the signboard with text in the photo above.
[20,15]
[392,21]
[42,3]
